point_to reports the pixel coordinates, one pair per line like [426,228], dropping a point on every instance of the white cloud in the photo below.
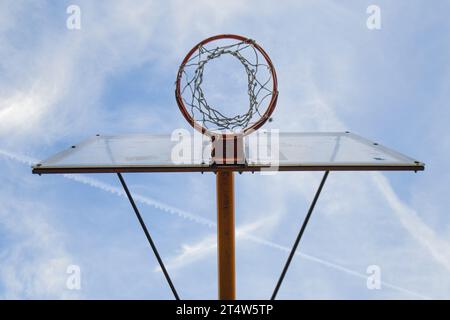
[191,253]
[438,248]
[34,263]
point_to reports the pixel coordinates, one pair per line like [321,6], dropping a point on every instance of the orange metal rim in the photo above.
[272,104]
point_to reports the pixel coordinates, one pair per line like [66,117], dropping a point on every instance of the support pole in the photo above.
[300,234]
[147,234]
[225,235]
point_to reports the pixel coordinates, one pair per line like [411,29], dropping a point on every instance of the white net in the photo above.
[259,86]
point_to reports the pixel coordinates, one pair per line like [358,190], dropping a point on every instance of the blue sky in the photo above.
[116,75]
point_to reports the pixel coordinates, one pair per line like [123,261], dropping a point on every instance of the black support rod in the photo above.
[147,234]
[299,236]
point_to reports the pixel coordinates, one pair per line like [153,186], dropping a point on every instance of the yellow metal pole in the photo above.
[225,235]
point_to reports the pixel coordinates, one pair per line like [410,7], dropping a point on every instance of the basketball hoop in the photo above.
[192,102]
[262,90]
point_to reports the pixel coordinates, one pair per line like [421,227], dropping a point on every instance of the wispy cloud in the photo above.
[34,266]
[34,261]
[207,246]
[438,248]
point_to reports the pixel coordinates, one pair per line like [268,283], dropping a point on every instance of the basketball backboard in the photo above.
[342,151]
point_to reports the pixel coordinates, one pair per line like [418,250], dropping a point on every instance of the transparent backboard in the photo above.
[263,151]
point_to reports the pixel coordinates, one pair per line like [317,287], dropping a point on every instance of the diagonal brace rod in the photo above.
[147,234]
[299,236]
